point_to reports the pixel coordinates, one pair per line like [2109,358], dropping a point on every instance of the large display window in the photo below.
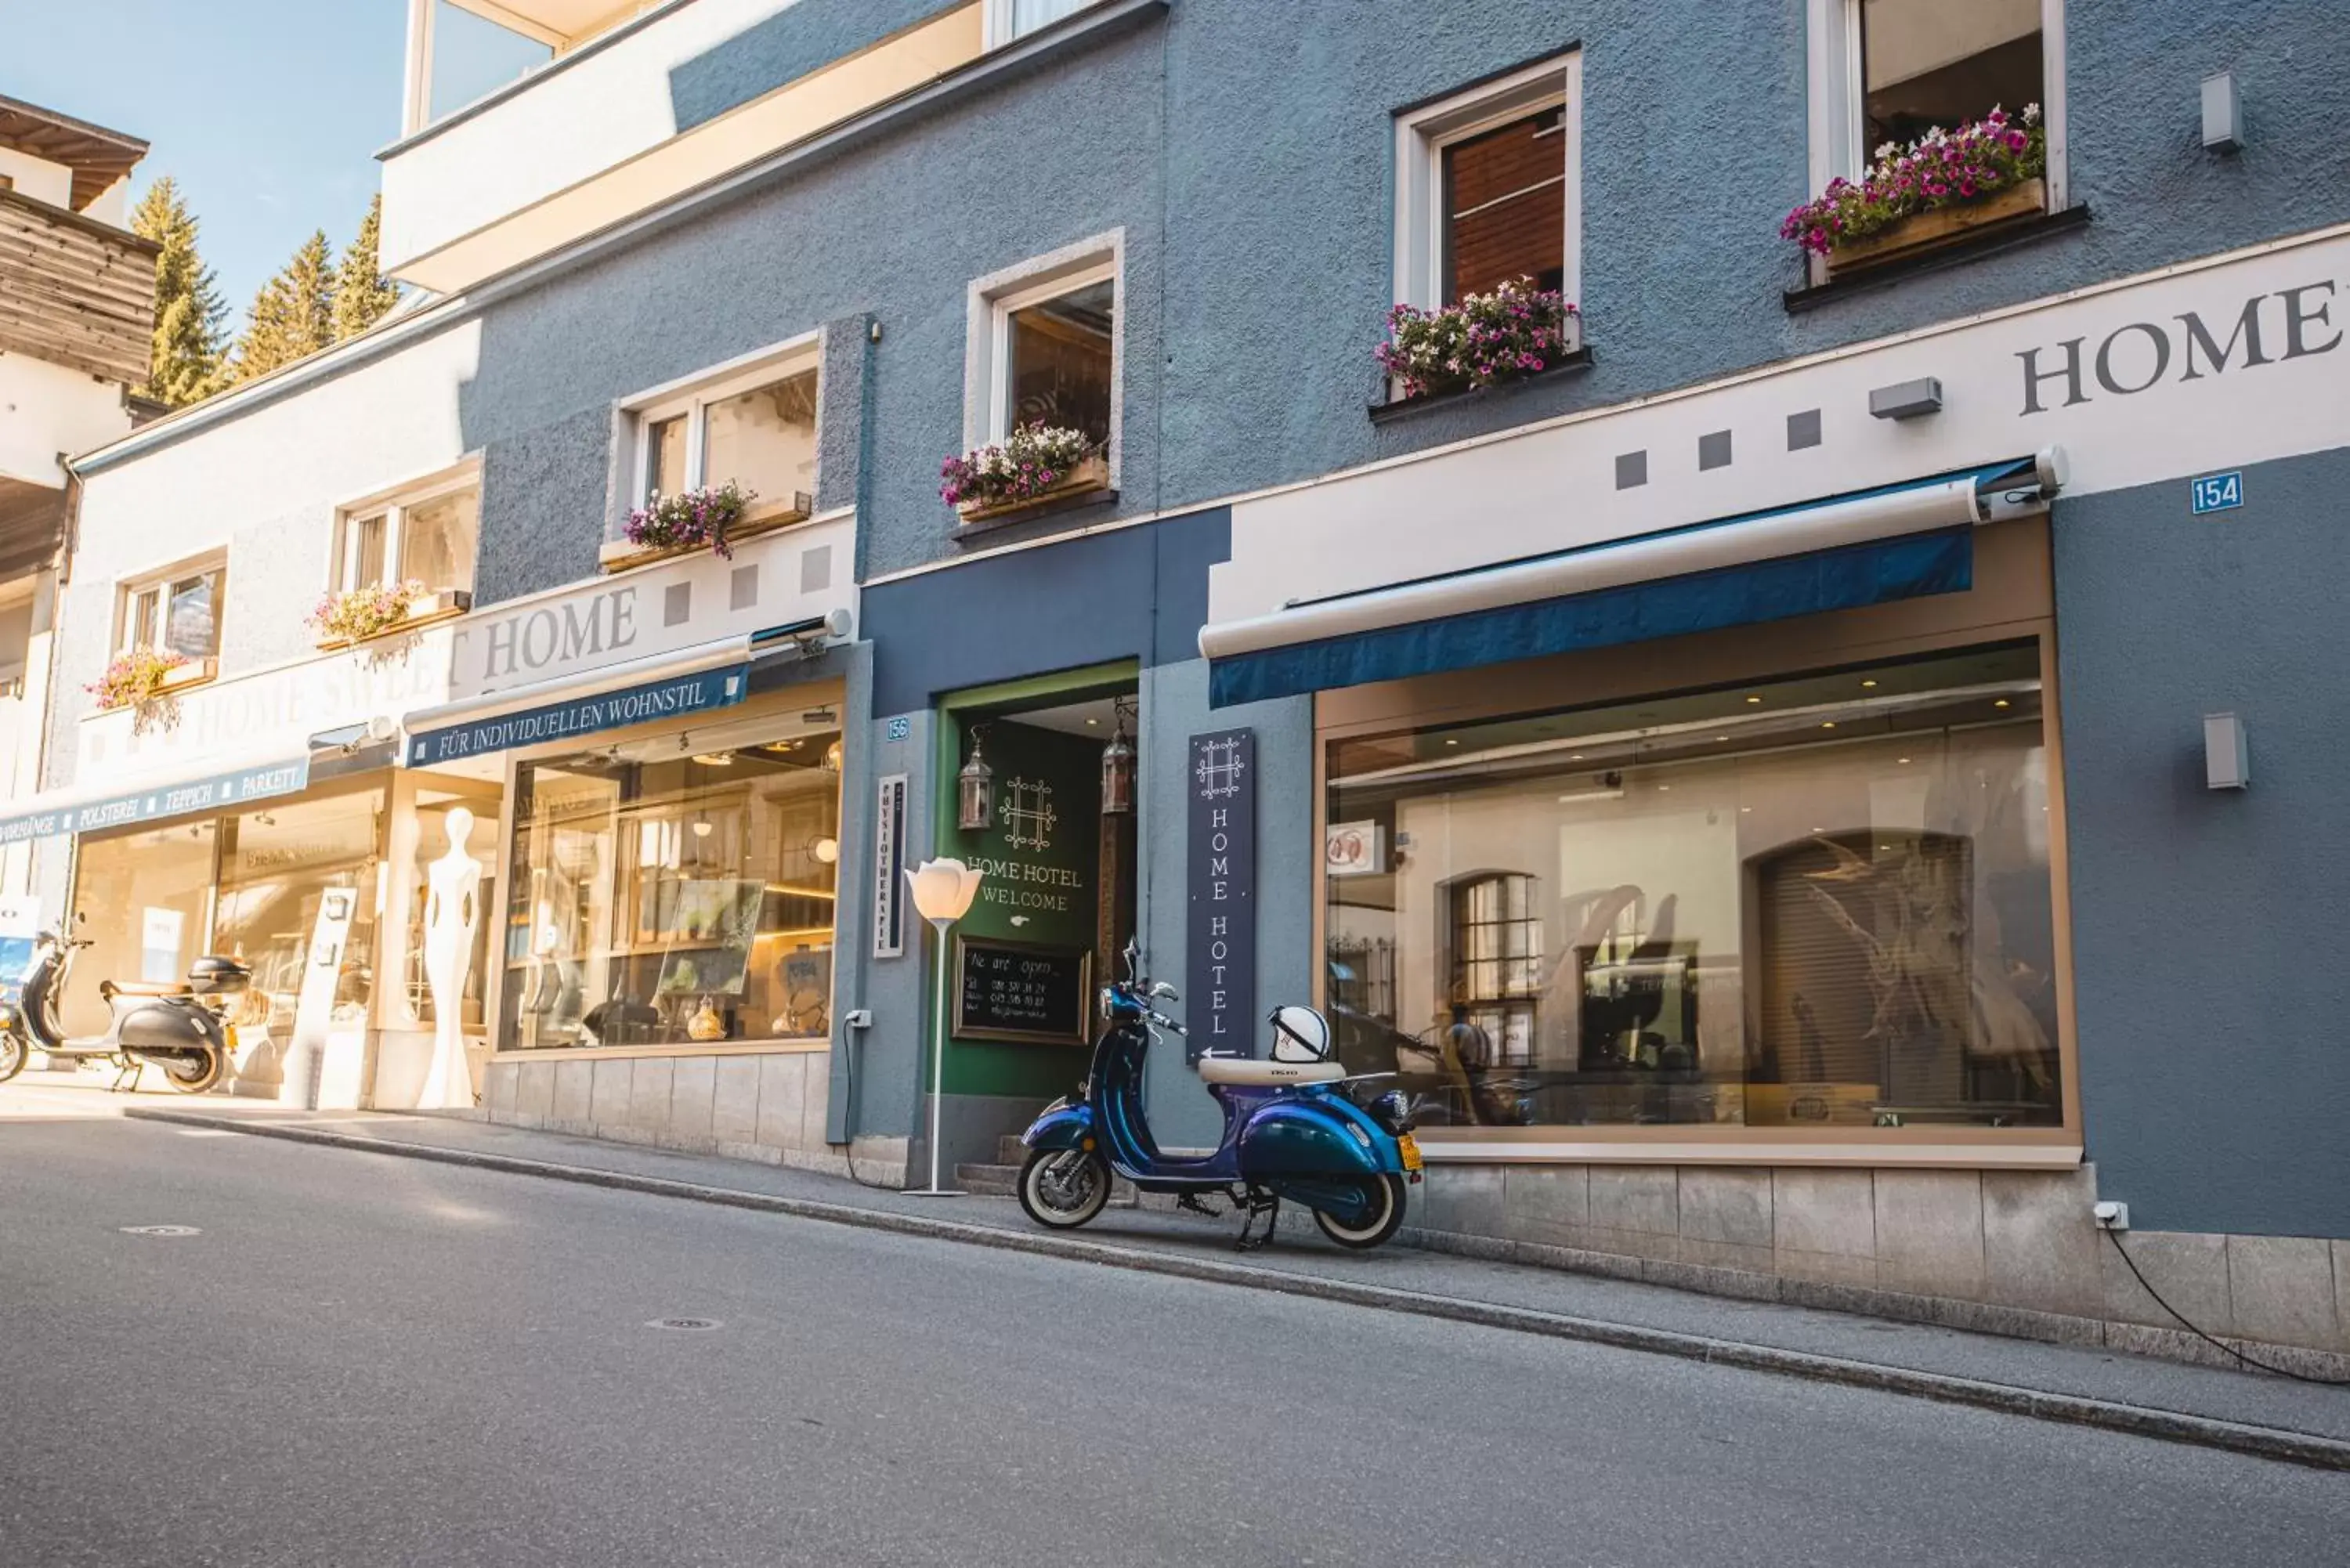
[1816,902]
[677,890]
[145,898]
[276,865]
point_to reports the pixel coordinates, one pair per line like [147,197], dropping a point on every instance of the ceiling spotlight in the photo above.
[1755,699]
[1868,684]
[1827,723]
[2001,703]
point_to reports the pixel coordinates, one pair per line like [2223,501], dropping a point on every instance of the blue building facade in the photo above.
[1592,714]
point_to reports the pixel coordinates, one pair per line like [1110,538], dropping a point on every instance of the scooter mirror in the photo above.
[1162,989]
[1133,959]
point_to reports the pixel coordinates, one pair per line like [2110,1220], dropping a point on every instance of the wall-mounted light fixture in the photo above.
[2223,113]
[2227,756]
[976,787]
[1906,399]
[1117,769]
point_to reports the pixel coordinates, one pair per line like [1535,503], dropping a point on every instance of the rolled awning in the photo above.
[1871,547]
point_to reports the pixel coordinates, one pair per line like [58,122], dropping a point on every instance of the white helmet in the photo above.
[1299,1035]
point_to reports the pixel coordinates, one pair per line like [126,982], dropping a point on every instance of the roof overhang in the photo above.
[97,157]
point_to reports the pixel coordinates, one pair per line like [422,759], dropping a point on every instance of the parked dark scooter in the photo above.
[1295,1127]
[176,1027]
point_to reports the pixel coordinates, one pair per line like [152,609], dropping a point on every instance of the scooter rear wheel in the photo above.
[13,1054]
[194,1075]
[1383,1221]
[1062,1197]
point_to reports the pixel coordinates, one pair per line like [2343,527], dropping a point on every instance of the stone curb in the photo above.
[2169,1426]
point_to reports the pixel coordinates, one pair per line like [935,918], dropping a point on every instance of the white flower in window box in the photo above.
[1034,465]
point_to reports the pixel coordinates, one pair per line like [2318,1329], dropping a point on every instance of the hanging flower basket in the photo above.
[142,676]
[1516,331]
[1915,197]
[1035,464]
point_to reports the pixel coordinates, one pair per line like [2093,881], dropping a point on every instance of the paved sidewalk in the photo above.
[2243,1411]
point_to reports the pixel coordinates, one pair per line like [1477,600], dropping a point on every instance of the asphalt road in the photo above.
[362,1360]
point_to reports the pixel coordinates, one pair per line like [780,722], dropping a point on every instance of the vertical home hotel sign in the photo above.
[1219,877]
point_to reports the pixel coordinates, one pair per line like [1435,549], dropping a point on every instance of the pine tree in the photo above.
[294,314]
[362,294]
[190,351]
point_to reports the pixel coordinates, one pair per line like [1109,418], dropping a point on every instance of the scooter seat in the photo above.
[113,987]
[1249,1072]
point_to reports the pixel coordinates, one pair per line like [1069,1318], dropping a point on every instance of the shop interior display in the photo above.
[670,898]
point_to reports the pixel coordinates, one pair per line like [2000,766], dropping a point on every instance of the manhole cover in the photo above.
[686,1324]
[160,1231]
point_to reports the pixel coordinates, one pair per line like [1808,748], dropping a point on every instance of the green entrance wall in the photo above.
[1049,893]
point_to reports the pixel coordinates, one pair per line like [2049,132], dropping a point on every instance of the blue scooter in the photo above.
[1295,1127]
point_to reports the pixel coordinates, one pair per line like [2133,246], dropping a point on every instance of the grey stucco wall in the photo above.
[2208,927]
[1246,152]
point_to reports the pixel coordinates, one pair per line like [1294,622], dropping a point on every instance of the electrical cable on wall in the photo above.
[2242,1359]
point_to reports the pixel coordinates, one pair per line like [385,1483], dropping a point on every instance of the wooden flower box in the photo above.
[1088,476]
[1925,230]
[194,672]
[759,518]
[422,611]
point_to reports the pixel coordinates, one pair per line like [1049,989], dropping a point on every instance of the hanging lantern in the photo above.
[977,789]
[1118,771]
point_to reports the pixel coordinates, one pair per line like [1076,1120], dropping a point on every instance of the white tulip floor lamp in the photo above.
[943,891]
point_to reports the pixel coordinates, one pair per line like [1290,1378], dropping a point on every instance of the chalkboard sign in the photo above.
[1024,992]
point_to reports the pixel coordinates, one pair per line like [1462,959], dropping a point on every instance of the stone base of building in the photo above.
[1993,1251]
[767,1106]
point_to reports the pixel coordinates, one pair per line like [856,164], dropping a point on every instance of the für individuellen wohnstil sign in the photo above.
[680,697]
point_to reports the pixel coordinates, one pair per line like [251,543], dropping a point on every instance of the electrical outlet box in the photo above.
[861,1019]
[2111,1216]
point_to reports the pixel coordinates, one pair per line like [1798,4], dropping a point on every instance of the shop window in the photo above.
[661,896]
[428,535]
[143,897]
[174,612]
[756,429]
[1822,901]
[1488,188]
[1010,19]
[1889,71]
[278,865]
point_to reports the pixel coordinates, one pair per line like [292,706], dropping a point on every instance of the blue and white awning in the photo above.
[60,814]
[1871,547]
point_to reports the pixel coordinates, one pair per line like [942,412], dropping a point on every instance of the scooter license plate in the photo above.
[1410,1146]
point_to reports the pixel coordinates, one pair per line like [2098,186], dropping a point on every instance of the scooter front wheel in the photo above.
[1385,1219]
[1062,1189]
[13,1054]
[194,1075]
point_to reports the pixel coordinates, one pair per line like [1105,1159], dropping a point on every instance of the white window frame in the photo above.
[1423,133]
[393,507]
[987,367]
[1837,95]
[996,23]
[692,397]
[160,581]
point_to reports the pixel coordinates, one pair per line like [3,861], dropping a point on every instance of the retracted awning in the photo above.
[62,813]
[1871,547]
[707,676]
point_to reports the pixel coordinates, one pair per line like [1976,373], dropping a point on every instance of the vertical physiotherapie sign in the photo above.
[1219,878]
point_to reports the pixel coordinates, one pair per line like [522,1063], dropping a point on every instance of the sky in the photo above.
[268,113]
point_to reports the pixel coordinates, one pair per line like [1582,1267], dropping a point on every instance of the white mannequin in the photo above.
[452,909]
